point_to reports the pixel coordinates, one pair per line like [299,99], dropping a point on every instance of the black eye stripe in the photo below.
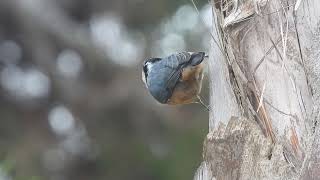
[153,60]
[145,70]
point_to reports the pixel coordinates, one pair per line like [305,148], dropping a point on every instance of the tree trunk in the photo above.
[265,87]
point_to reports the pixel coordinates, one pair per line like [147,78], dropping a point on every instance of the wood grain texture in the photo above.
[271,75]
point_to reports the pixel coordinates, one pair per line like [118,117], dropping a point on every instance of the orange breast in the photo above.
[189,86]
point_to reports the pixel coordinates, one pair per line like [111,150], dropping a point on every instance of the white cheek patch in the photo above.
[144,78]
[149,66]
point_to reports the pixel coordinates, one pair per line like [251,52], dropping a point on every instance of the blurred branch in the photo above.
[40,18]
[51,19]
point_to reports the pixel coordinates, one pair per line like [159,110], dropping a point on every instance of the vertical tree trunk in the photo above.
[265,85]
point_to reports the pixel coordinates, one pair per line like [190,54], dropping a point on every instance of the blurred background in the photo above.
[73,106]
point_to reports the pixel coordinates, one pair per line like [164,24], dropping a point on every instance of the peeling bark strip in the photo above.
[269,80]
[281,72]
[241,151]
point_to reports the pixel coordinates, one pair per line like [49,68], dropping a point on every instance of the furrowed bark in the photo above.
[264,91]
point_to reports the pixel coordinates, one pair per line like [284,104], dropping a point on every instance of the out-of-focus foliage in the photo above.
[72,102]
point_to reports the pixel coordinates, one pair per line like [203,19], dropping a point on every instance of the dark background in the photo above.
[73,105]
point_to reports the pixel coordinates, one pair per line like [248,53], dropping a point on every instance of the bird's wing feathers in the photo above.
[174,63]
[169,70]
[175,60]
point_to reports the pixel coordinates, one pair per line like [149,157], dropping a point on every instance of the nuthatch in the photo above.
[175,79]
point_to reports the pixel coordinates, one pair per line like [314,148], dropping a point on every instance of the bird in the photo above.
[175,79]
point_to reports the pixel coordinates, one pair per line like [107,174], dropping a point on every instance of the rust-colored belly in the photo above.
[189,86]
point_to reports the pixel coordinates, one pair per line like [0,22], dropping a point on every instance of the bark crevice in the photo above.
[241,151]
[264,77]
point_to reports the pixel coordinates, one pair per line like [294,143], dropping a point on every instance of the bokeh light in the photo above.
[73,104]
[69,63]
[61,120]
[10,52]
[26,84]
[119,44]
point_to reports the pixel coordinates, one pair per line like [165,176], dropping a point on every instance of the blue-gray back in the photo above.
[166,73]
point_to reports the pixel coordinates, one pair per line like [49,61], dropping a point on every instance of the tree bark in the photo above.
[265,87]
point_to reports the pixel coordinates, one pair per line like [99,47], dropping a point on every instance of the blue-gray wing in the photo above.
[162,82]
[182,59]
[176,60]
